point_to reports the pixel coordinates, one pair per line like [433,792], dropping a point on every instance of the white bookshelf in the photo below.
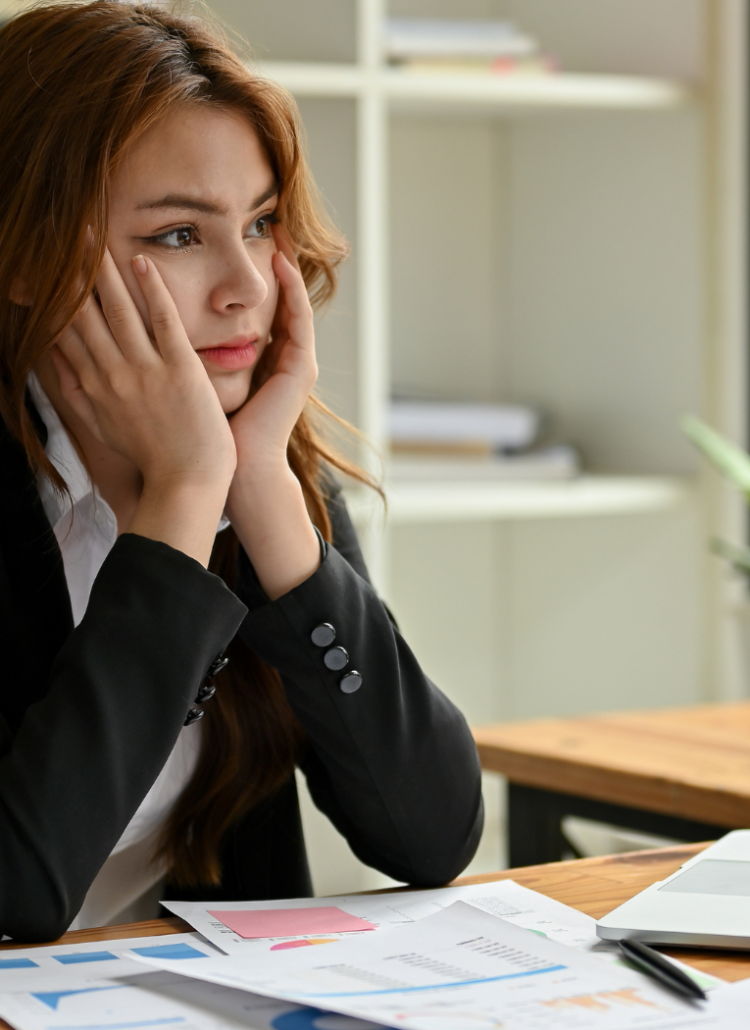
[380,91]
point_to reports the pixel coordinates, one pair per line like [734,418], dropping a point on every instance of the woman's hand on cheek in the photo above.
[265,503]
[149,400]
[284,378]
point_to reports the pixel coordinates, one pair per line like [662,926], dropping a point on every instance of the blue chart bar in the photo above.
[17,963]
[84,956]
[53,998]
[170,951]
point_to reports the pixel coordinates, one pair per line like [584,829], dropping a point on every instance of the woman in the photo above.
[159,246]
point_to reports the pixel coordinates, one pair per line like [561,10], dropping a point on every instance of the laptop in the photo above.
[706,903]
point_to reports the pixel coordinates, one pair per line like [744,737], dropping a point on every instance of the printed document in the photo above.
[459,969]
[386,911]
[504,898]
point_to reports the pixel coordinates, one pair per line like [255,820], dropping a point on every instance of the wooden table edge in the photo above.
[628,788]
[593,885]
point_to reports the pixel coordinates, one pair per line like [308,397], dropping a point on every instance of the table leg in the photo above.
[534,827]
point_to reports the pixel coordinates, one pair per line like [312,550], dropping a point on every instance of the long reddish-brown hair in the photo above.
[79,81]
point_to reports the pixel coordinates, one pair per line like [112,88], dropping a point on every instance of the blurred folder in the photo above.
[407,38]
[441,427]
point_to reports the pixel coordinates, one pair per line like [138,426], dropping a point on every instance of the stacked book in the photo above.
[445,440]
[443,45]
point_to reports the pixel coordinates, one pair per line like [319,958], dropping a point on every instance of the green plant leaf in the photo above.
[736,555]
[727,457]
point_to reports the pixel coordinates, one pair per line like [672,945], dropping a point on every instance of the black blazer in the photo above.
[88,716]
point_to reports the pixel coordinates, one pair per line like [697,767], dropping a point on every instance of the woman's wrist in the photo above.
[183,513]
[261,486]
[268,513]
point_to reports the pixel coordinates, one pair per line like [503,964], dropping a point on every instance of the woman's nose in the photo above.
[238,283]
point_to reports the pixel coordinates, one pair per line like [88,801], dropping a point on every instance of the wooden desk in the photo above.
[593,885]
[682,773]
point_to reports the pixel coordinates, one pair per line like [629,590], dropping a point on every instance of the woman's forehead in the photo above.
[209,153]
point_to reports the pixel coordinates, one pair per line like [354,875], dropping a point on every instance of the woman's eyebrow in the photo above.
[272,190]
[185,202]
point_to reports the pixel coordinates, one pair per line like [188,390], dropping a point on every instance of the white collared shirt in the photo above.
[127,886]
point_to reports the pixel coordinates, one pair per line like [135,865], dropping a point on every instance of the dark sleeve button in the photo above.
[323,635]
[216,666]
[351,682]
[193,716]
[335,659]
[205,693]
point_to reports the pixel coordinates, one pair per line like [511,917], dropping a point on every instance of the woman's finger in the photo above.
[284,245]
[293,299]
[294,295]
[78,357]
[93,331]
[67,375]
[291,281]
[122,315]
[169,333]
[73,392]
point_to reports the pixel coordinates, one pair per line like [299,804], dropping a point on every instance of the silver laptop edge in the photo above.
[706,903]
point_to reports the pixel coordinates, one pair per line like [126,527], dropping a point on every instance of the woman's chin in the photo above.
[232,390]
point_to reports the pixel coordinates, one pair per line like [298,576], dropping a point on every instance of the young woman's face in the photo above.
[197,195]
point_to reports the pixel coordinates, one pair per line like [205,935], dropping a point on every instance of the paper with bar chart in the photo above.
[76,966]
[165,1001]
[460,969]
[91,987]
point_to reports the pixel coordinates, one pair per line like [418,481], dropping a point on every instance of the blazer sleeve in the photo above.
[86,754]
[393,764]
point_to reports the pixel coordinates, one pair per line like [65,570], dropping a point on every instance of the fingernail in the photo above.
[139,263]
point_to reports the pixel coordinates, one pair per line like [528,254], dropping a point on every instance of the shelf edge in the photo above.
[588,496]
[565,90]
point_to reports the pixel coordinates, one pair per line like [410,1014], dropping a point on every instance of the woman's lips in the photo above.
[232,355]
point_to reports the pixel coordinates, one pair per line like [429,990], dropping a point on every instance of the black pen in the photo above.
[651,962]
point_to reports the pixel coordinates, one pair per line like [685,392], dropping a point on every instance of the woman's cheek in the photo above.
[185,291]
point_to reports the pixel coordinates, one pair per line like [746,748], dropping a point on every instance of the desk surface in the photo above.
[693,763]
[593,885]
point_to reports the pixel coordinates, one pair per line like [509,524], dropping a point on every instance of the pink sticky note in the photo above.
[289,922]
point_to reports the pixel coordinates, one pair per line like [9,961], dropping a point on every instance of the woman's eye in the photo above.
[261,227]
[178,239]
